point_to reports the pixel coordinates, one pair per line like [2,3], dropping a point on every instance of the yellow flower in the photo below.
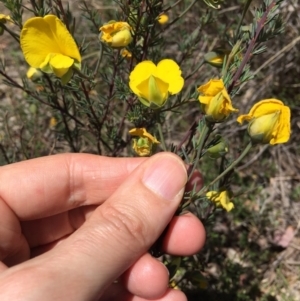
[116,34]
[153,84]
[163,19]
[221,199]
[125,53]
[4,18]
[216,57]
[269,122]
[47,44]
[143,145]
[33,74]
[52,122]
[216,102]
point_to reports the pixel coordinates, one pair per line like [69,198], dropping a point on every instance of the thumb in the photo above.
[118,233]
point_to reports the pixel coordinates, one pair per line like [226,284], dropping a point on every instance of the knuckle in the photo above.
[124,222]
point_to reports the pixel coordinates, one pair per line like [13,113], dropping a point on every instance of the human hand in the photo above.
[73,224]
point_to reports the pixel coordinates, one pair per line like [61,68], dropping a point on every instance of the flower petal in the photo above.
[42,36]
[168,71]
[212,88]
[140,73]
[60,64]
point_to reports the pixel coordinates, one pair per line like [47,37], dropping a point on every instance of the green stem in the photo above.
[246,7]
[161,137]
[14,35]
[81,74]
[200,143]
[229,168]
[182,14]
[195,70]
[99,59]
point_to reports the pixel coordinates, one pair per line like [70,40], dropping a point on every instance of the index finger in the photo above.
[46,186]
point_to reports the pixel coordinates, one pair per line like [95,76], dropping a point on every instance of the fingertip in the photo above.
[185,236]
[148,278]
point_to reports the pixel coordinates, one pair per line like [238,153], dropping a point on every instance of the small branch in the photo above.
[247,56]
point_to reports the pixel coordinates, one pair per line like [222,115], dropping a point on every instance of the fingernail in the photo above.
[165,176]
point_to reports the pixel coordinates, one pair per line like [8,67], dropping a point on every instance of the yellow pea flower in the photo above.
[269,122]
[153,84]
[163,19]
[216,57]
[143,145]
[125,53]
[47,44]
[216,102]
[221,199]
[4,18]
[116,34]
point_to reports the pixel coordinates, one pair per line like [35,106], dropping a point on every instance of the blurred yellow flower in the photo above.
[221,199]
[216,102]
[33,74]
[4,18]
[52,122]
[216,57]
[125,53]
[153,84]
[116,34]
[269,122]
[47,44]
[143,145]
[163,19]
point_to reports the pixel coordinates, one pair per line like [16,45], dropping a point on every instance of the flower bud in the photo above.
[260,129]
[218,150]
[216,57]
[116,34]
[163,19]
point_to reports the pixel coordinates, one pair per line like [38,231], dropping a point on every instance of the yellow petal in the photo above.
[205,99]
[212,88]
[154,90]
[142,132]
[41,36]
[169,72]
[60,64]
[275,132]
[283,132]
[140,73]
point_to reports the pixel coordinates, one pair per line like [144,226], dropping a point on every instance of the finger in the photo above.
[54,184]
[147,278]
[118,293]
[185,236]
[195,182]
[52,228]
[119,232]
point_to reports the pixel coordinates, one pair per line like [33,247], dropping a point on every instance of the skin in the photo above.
[79,227]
